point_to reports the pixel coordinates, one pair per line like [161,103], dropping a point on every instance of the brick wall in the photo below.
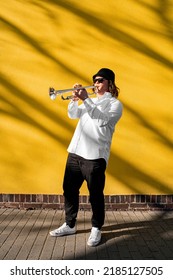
[112,202]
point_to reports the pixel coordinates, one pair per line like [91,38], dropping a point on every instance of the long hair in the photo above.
[113,89]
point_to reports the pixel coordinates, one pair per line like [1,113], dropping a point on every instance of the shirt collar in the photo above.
[105,95]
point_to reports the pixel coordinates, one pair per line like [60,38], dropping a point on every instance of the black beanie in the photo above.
[105,73]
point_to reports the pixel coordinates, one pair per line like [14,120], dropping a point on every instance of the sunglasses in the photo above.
[99,80]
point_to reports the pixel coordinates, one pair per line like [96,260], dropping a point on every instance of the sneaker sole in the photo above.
[61,234]
[93,244]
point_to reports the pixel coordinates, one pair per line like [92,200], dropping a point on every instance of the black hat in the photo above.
[105,73]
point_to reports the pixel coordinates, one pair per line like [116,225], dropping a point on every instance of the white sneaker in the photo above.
[63,230]
[95,237]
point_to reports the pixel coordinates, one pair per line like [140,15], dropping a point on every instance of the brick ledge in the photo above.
[112,202]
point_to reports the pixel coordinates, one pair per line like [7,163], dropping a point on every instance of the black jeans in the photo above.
[77,170]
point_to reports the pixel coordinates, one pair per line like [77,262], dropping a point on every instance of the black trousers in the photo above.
[77,170]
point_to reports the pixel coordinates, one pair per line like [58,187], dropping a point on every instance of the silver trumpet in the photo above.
[53,92]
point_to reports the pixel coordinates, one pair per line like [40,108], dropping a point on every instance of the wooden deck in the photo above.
[24,235]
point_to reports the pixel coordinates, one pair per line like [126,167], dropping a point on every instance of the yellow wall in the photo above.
[58,43]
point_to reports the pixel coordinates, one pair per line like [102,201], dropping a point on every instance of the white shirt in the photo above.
[97,119]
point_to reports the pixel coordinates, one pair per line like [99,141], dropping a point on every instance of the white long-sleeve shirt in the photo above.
[97,119]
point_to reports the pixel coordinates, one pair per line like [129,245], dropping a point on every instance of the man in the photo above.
[89,151]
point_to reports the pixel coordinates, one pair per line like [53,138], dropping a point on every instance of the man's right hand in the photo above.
[75,97]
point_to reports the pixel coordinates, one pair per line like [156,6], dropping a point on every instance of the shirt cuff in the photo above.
[89,104]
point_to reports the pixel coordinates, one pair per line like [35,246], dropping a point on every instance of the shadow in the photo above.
[118,167]
[39,47]
[127,173]
[125,235]
[162,10]
[131,176]
[145,239]
[20,113]
[113,32]
[145,123]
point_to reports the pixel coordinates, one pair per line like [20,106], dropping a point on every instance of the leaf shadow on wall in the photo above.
[119,168]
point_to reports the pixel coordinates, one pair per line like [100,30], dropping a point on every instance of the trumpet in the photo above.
[53,92]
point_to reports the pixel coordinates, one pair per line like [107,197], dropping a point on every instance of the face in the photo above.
[101,84]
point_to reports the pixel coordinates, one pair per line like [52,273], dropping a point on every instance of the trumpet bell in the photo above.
[52,93]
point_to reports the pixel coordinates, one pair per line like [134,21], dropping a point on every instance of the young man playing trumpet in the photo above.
[89,151]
